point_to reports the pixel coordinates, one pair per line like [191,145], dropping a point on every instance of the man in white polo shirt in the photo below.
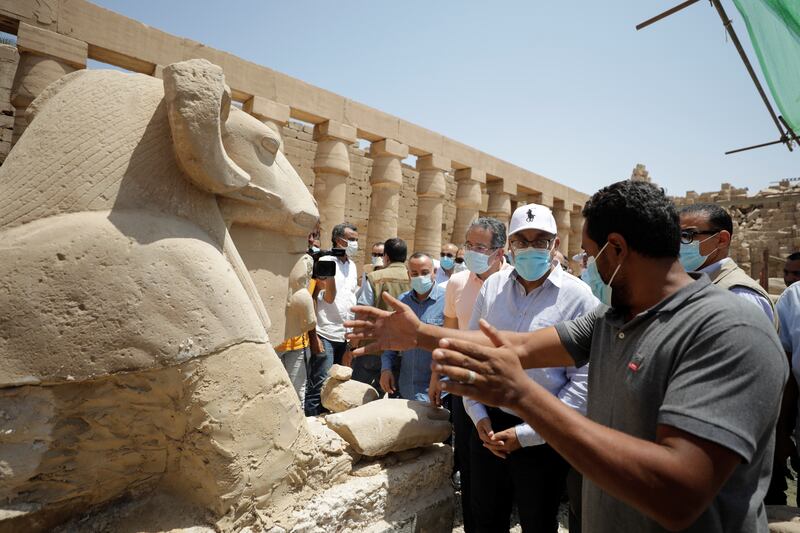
[509,461]
[335,296]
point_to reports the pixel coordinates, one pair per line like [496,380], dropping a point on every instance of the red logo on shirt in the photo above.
[633,366]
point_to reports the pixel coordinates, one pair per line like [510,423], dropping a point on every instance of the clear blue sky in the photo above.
[566,89]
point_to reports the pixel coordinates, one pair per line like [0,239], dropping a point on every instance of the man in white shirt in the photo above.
[447,263]
[509,461]
[334,296]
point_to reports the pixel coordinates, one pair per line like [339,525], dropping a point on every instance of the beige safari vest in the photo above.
[730,276]
[392,279]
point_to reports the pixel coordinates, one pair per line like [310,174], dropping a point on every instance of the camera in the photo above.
[325,269]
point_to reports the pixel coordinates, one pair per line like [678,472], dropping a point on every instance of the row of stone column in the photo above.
[46,56]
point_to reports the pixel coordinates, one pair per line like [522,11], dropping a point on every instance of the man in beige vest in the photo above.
[392,278]
[706,232]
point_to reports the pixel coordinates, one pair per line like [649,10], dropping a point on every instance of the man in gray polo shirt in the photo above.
[685,382]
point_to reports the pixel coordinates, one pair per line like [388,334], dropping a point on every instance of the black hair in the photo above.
[420,255]
[395,249]
[497,228]
[338,231]
[718,217]
[640,212]
[795,256]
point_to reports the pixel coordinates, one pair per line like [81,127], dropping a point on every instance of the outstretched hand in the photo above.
[498,378]
[388,330]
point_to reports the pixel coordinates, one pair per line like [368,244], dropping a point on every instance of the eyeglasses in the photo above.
[521,244]
[459,260]
[447,254]
[481,249]
[376,254]
[687,236]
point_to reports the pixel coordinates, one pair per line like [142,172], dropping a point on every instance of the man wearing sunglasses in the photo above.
[447,263]
[706,233]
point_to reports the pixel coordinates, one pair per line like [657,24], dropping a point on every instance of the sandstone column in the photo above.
[576,233]
[430,193]
[271,113]
[44,56]
[331,170]
[385,181]
[563,222]
[499,202]
[468,200]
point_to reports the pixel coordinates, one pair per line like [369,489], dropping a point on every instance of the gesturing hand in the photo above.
[492,376]
[388,330]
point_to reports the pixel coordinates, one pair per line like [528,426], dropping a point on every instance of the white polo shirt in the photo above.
[503,303]
[331,316]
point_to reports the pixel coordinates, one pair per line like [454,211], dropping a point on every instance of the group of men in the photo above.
[655,380]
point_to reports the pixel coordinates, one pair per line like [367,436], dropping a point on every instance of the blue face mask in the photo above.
[690,254]
[314,249]
[592,277]
[422,284]
[447,262]
[476,262]
[532,264]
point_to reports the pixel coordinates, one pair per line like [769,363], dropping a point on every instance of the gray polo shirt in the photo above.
[703,361]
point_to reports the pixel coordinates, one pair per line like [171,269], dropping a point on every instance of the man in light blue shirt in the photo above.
[426,299]
[788,308]
[509,460]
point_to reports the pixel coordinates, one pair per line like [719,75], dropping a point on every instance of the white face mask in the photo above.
[352,249]
[377,261]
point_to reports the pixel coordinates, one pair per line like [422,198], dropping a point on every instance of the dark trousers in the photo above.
[574,490]
[532,477]
[462,437]
[367,369]
[317,372]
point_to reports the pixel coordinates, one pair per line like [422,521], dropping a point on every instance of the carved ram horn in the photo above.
[198,103]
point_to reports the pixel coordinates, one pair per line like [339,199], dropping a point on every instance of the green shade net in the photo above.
[774,27]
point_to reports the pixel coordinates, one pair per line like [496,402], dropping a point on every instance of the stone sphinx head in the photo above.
[134,353]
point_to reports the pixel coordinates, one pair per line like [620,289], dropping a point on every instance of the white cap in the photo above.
[532,216]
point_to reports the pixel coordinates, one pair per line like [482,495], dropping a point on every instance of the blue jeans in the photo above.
[318,367]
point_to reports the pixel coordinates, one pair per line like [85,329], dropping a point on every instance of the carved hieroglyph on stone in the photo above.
[391,425]
[133,346]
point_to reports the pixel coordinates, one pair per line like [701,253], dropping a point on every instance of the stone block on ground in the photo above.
[338,396]
[391,425]
[783,519]
[340,372]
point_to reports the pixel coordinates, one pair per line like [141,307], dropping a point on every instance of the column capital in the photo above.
[470,174]
[331,129]
[388,148]
[266,109]
[433,162]
[496,187]
[51,44]
[542,198]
